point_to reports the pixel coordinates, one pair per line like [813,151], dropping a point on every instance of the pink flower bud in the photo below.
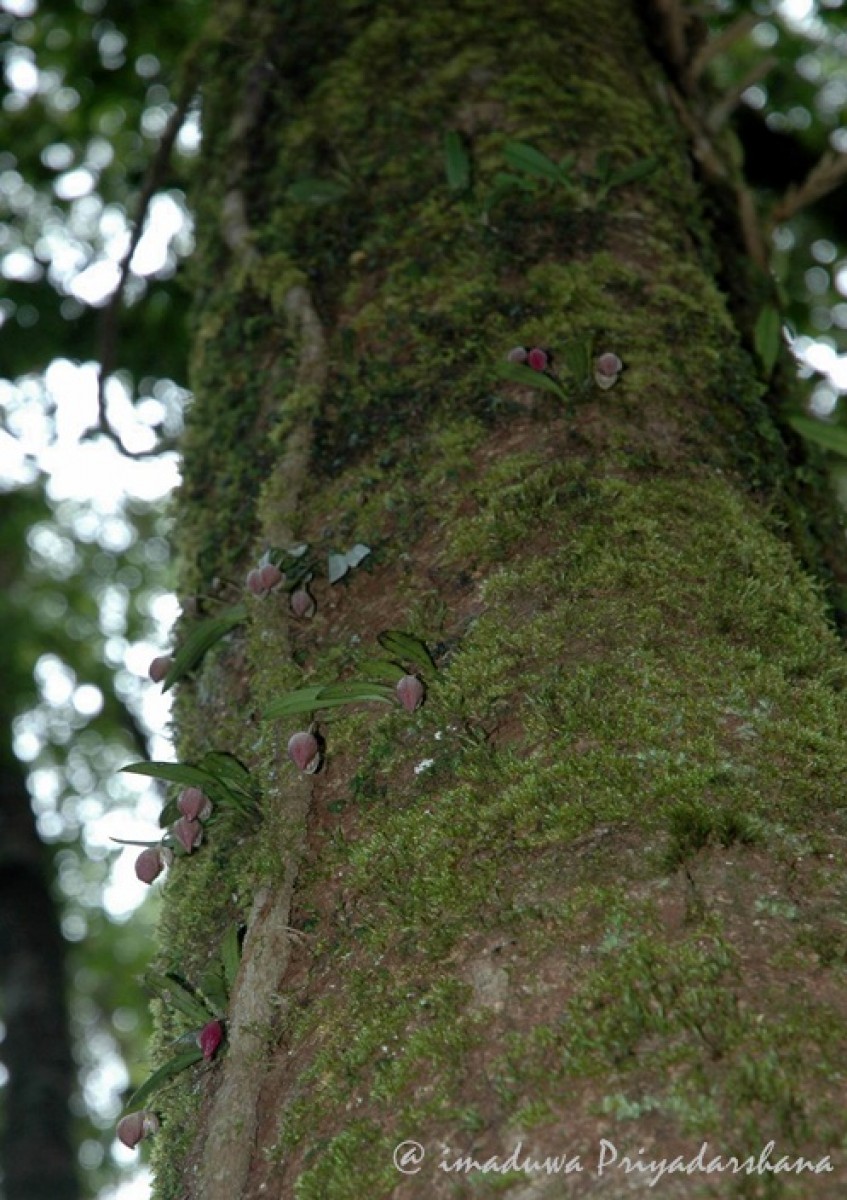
[305,752]
[608,364]
[135,1126]
[210,1037]
[538,359]
[303,603]
[517,354]
[188,833]
[194,804]
[270,576]
[254,582]
[151,862]
[410,692]
[262,579]
[159,668]
[607,368]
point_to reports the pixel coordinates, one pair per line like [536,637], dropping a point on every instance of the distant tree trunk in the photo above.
[37,1147]
[38,1156]
[593,888]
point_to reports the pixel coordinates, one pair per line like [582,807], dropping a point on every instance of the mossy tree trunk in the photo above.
[591,888]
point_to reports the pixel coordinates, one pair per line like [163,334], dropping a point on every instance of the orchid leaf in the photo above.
[201,639]
[169,1070]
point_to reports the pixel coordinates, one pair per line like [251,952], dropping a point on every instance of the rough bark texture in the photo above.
[589,889]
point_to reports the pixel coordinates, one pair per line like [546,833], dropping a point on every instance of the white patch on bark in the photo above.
[490,984]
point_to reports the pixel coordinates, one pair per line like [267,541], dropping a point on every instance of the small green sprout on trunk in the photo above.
[386,681]
[204,1008]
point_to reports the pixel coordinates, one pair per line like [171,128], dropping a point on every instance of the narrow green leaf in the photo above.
[565,168]
[456,162]
[201,638]
[407,647]
[160,1077]
[229,771]
[316,191]
[220,776]
[170,813]
[831,437]
[505,184]
[231,955]
[768,336]
[214,989]
[577,357]
[522,157]
[173,773]
[297,573]
[637,170]
[226,766]
[507,181]
[301,701]
[332,695]
[603,166]
[345,693]
[175,993]
[518,373]
[381,669]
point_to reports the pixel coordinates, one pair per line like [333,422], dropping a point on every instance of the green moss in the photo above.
[628,720]
[678,998]
[636,676]
[357,1158]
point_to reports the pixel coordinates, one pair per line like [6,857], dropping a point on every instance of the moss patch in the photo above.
[564,893]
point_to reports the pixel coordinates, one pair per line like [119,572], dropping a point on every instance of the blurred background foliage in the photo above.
[89,96]
[90,86]
[87,594]
[789,70]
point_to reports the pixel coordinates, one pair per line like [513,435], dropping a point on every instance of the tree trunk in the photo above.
[590,889]
[37,1151]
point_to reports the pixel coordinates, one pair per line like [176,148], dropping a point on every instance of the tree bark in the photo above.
[38,1155]
[571,898]
[37,1149]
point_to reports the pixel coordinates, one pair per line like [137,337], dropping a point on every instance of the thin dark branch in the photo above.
[108,331]
[720,43]
[723,110]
